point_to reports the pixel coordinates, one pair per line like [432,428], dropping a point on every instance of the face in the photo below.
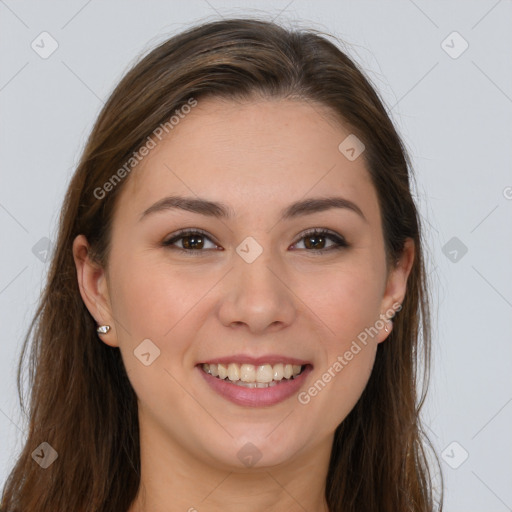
[248,292]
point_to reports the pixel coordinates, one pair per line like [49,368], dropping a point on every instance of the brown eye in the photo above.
[316,240]
[190,240]
[193,241]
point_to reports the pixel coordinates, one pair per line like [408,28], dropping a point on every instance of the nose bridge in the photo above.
[256,295]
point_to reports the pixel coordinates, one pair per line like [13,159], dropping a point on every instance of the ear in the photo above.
[92,281]
[396,284]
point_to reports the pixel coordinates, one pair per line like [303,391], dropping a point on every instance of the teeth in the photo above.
[221,369]
[233,372]
[255,384]
[247,373]
[264,373]
[251,376]
[278,371]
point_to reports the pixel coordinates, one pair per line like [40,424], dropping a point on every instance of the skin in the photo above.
[256,156]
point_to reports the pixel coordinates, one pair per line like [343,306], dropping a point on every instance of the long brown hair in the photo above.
[82,402]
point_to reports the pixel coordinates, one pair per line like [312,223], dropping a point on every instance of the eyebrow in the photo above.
[222,211]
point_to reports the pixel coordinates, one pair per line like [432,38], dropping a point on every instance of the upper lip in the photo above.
[256,361]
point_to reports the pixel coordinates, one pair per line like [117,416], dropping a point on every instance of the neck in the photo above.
[173,480]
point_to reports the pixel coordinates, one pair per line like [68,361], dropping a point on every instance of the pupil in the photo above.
[190,241]
[317,241]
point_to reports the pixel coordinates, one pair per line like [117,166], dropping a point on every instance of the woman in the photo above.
[234,308]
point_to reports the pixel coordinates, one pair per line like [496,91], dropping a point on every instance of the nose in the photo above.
[257,297]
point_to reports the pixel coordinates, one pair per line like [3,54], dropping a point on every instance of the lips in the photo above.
[255,382]
[268,359]
[247,373]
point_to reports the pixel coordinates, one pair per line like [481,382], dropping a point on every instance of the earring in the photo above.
[103,329]
[386,326]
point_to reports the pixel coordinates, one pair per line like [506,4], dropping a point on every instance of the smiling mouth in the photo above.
[254,376]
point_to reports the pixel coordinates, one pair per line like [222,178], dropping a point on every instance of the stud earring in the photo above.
[386,326]
[103,329]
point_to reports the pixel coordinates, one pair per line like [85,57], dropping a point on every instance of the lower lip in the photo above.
[256,397]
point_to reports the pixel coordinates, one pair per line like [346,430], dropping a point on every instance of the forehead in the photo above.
[256,153]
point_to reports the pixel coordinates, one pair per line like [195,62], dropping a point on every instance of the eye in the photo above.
[316,239]
[191,240]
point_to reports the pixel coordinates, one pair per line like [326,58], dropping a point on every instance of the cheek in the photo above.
[151,298]
[145,305]
[151,301]
[165,303]
[348,303]
[347,300]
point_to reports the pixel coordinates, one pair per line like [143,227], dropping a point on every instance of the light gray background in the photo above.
[454,114]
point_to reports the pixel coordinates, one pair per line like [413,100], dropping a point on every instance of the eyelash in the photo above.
[339,241]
